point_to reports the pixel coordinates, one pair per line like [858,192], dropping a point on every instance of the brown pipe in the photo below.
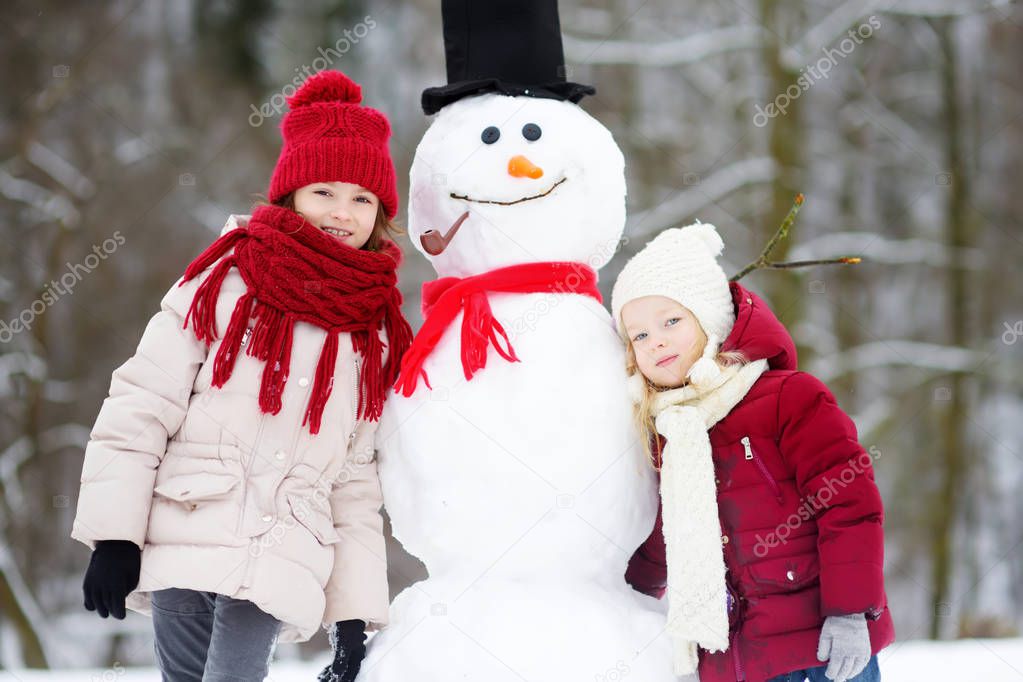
[434,242]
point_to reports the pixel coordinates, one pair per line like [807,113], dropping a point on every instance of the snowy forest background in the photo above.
[130,130]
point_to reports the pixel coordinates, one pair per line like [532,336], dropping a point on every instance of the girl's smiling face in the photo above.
[343,210]
[666,338]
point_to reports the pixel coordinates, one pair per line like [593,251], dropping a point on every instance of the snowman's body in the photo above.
[524,490]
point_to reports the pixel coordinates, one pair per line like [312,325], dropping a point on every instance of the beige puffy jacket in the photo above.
[224,498]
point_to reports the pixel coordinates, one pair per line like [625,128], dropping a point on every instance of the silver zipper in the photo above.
[762,468]
[358,395]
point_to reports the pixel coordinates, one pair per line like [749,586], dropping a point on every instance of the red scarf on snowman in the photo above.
[295,271]
[444,298]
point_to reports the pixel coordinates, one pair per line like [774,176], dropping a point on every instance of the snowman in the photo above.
[508,459]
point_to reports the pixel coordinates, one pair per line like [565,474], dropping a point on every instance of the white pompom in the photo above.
[703,371]
[637,387]
[708,234]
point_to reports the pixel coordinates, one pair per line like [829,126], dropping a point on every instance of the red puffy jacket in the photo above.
[800,514]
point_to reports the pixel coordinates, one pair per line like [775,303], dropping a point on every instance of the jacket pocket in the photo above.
[785,574]
[316,520]
[758,463]
[193,488]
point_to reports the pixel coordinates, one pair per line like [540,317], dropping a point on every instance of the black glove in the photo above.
[112,574]
[348,639]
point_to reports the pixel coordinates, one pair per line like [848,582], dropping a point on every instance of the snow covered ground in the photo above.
[975,660]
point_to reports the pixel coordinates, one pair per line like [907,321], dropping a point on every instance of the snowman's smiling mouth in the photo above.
[550,189]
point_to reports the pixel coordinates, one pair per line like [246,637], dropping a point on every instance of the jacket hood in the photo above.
[757,332]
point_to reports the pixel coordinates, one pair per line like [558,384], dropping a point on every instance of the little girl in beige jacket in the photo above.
[229,487]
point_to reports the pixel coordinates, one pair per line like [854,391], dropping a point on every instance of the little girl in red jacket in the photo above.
[769,542]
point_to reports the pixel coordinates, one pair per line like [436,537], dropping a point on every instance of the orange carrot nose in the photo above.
[521,167]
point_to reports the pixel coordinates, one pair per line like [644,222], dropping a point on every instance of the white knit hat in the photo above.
[681,264]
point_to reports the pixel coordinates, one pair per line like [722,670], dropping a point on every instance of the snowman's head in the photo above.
[541,180]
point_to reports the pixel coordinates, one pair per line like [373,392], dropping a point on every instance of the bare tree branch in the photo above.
[706,191]
[880,249]
[896,352]
[670,53]
[60,170]
[826,32]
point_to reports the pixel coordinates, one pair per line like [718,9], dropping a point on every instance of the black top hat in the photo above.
[512,47]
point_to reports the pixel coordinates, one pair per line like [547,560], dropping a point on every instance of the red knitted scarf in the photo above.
[295,271]
[445,297]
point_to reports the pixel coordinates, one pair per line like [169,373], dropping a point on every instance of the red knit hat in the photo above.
[329,137]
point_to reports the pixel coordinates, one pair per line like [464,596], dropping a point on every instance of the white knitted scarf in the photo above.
[697,599]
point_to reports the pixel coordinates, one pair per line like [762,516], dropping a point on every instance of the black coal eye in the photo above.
[531,131]
[491,135]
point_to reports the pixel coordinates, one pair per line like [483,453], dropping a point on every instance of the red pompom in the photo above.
[326,86]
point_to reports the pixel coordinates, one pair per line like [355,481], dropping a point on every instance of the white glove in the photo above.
[845,644]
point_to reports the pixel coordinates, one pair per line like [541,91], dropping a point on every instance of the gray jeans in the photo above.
[207,637]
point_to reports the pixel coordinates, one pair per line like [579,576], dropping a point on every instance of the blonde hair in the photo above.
[643,412]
